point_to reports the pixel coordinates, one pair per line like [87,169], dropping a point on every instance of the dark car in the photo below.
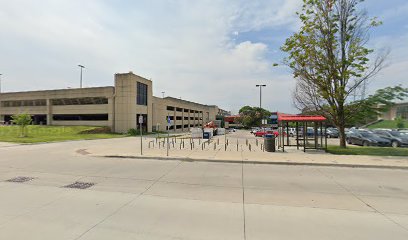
[365,138]
[332,133]
[397,139]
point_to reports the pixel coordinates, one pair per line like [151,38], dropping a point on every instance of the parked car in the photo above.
[292,132]
[366,138]
[262,133]
[254,130]
[332,133]
[397,138]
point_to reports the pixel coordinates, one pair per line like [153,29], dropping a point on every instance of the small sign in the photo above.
[140,119]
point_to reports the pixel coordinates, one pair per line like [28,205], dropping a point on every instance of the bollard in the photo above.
[218,141]
[227,141]
[215,146]
[202,146]
[191,146]
[225,147]
[256,142]
[183,144]
[249,146]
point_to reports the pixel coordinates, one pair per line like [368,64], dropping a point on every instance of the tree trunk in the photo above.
[342,125]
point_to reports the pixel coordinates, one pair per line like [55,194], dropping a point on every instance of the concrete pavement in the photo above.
[149,199]
[237,151]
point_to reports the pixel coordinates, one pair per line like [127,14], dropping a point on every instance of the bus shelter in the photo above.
[302,131]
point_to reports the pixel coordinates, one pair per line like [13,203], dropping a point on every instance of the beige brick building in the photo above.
[118,107]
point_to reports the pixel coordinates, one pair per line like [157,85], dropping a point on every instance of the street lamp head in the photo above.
[81,66]
[262,85]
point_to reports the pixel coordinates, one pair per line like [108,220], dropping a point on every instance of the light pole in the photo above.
[163,94]
[0,82]
[80,78]
[260,94]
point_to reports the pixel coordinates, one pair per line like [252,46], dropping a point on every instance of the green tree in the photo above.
[329,59]
[400,122]
[252,116]
[22,120]
[367,110]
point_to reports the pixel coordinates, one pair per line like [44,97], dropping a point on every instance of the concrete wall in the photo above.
[185,113]
[49,109]
[392,113]
[126,108]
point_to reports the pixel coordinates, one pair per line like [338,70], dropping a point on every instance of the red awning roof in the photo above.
[300,118]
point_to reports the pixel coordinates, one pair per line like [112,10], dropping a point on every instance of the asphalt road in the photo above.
[154,199]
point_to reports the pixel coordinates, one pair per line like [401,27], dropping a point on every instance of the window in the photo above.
[80,117]
[24,103]
[170,108]
[141,94]
[79,101]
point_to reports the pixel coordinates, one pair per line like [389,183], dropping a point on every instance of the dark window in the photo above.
[141,94]
[80,117]
[178,127]
[179,109]
[186,110]
[178,118]
[169,108]
[24,103]
[79,101]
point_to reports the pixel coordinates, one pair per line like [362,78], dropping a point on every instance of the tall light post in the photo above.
[260,94]
[162,94]
[80,78]
[0,82]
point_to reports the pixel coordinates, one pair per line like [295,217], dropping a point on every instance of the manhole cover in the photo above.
[20,179]
[80,185]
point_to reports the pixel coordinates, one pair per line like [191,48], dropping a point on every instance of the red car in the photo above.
[262,133]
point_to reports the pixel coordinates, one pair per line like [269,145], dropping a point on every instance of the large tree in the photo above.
[252,116]
[329,57]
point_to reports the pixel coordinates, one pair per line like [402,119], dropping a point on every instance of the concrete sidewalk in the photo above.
[212,152]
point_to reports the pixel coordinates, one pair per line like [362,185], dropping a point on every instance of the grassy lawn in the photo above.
[38,134]
[387,124]
[372,151]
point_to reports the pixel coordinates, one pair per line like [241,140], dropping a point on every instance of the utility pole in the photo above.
[80,77]
[260,94]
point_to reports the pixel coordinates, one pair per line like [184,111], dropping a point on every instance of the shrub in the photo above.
[133,132]
[400,122]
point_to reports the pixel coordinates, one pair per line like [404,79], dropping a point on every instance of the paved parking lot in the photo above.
[158,199]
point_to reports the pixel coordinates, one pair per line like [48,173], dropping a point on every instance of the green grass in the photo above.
[372,151]
[37,134]
[387,124]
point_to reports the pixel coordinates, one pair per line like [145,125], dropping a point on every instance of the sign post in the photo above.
[141,134]
[168,133]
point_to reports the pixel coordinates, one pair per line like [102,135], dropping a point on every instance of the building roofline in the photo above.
[60,89]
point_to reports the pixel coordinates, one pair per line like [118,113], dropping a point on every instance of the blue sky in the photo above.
[208,51]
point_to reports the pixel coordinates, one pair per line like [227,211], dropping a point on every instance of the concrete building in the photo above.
[398,110]
[117,107]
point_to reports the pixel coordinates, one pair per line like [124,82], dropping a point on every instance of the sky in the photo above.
[208,51]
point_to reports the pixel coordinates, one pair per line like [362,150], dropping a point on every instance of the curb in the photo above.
[259,162]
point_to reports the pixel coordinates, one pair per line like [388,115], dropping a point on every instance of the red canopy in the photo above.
[300,118]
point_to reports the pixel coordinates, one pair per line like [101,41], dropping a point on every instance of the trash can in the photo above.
[206,135]
[269,142]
